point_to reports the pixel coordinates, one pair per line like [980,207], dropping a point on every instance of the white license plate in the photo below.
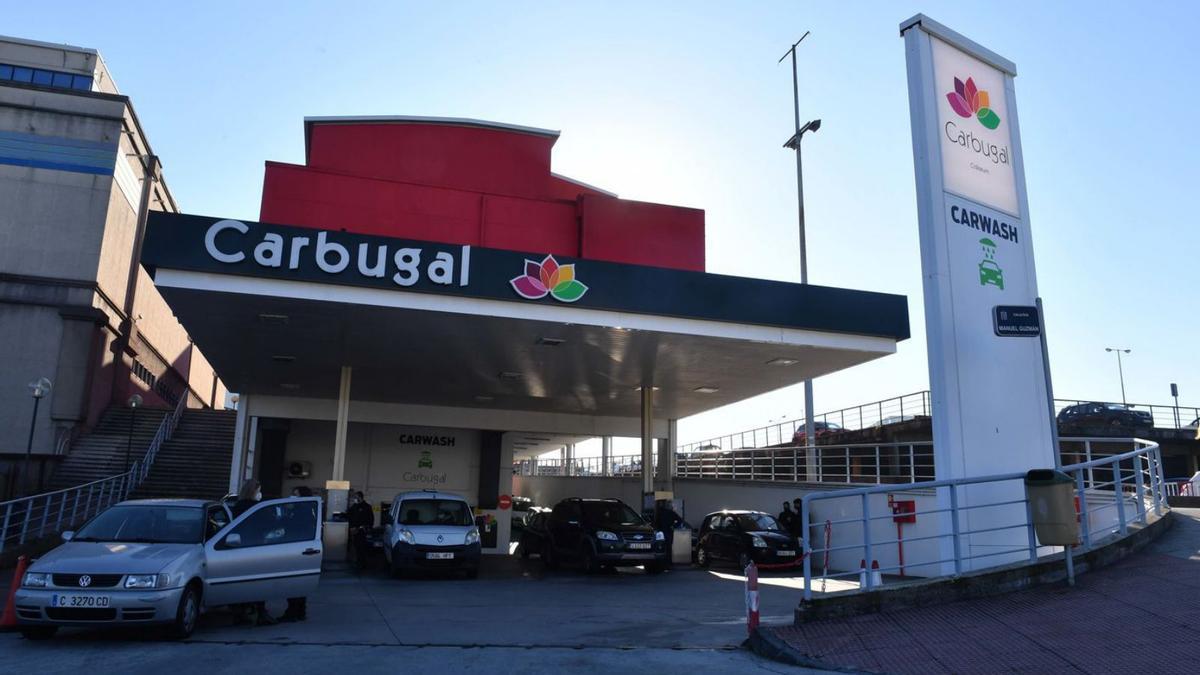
[639,545]
[74,600]
[785,554]
[440,556]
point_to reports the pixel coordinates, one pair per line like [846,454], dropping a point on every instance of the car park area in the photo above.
[513,603]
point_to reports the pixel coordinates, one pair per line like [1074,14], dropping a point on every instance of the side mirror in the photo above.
[68,535]
[233,540]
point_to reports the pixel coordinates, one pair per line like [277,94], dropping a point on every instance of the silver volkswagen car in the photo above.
[164,561]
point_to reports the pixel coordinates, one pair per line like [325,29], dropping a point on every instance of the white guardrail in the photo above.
[850,529]
[30,518]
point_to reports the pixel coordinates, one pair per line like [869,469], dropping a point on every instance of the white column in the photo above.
[666,458]
[570,461]
[238,456]
[343,421]
[647,439]
[606,455]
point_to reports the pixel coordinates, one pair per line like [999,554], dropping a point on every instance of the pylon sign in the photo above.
[989,391]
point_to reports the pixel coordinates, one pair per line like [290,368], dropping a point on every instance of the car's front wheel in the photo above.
[187,614]
[38,632]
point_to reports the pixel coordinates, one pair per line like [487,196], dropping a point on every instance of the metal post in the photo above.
[1087,454]
[1158,470]
[1057,448]
[878,467]
[866,506]
[1032,534]
[912,464]
[954,529]
[1119,491]
[647,438]
[88,507]
[806,548]
[74,506]
[4,530]
[45,514]
[29,447]
[25,520]
[847,464]
[1069,556]
[1085,520]
[1139,488]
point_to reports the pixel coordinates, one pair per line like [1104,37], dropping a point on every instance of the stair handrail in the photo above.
[34,516]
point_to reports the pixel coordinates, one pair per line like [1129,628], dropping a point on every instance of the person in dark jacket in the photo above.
[787,518]
[665,521]
[248,496]
[797,528]
[361,519]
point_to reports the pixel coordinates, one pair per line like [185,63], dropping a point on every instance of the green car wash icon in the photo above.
[989,271]
[426,460]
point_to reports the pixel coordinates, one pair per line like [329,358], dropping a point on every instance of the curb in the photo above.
[768,645]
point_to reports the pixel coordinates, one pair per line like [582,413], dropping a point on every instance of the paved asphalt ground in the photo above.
[514,618]
[1141,615]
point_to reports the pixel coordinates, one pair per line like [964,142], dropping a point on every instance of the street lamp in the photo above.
[1120,369]
[793,143]
[133,403]
[39,390]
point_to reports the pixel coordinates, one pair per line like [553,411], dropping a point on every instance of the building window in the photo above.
[45,78]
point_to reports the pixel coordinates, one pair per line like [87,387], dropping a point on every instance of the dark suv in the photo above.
[742,536]
[1104,415]
[602,533]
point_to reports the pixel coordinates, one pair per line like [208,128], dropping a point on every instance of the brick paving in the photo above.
[1140,615]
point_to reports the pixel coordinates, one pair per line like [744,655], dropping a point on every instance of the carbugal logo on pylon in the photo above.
[967,101]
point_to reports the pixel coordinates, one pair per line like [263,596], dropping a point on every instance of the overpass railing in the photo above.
[902,409]
[971,523]
[30,518]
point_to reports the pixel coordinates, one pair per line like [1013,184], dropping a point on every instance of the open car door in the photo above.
[273,550]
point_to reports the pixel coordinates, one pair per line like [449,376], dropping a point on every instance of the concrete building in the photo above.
[77,177]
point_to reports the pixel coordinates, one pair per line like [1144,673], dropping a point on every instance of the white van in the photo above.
[431,530]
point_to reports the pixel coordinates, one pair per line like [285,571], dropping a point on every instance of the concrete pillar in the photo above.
[647,439]
[238,459]
[343,423]
[606,455]
[570,461]
[666,458]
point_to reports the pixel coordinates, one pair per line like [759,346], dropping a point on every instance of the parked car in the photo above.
[602,533]
[534,537]
[1104,414]
[819,429]
[431,530]
[741,536]
[165,561]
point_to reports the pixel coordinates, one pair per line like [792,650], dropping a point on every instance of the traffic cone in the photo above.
[876,575]
[9,619]
[862,573]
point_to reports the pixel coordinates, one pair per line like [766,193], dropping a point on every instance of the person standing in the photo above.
[256,613]
[297,608]
[361,519]
[798,523]
[787,518]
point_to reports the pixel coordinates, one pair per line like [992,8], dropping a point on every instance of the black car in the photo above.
[533,536]
[741,536]
[1104,415]
[602,533]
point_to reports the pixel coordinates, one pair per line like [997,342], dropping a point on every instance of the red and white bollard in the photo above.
[751,598]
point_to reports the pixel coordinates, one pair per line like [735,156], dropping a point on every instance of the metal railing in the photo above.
[974,523]
[619,466]
[880,413]
[30,518]
[901,409]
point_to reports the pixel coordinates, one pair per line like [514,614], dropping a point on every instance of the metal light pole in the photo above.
[794,144]
[40,388]
[1120,369]
[133,403]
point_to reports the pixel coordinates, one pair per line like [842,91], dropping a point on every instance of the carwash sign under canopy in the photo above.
[989,387]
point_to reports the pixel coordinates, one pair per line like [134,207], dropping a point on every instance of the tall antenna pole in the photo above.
[810,437]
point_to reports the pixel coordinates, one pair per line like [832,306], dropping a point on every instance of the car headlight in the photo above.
[758,541]
[473,536]
[659,536]
[606,535]
[141,581]
[407,537]
[35,580]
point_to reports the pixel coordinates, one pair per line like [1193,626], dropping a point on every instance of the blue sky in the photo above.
[683,103]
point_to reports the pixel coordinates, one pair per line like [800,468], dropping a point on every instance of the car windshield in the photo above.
[758,522]
[610,513]
[435,512]
[146,524]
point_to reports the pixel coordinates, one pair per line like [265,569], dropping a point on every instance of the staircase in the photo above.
[101,453]
[195,462]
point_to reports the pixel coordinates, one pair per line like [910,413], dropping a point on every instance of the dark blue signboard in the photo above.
[1016,321]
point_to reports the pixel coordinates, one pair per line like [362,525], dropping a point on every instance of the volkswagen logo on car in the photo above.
[85,580]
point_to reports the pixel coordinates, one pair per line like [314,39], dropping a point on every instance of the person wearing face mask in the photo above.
[361,519]
[249,495]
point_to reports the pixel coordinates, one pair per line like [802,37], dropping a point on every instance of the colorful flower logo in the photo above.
[548,278]
[968,101]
